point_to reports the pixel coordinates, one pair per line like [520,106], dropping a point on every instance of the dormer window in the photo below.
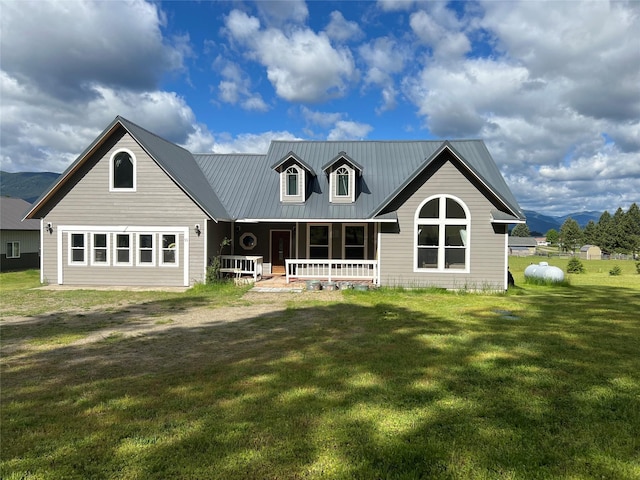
[295,176]
[122,171]
[342,187]
[291,182]
[342,172]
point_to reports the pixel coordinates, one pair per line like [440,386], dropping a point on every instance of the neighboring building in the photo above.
[590,252]
[542,242]
[20,240]
[522,246]
[136,209]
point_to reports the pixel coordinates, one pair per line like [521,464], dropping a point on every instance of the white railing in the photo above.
[332,269]
[241,265]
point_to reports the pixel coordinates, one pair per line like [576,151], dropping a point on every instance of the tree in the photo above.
[552,236]
[632,228]
[570,235]
[521,230]
[605,232]
[590,233]
[617,228]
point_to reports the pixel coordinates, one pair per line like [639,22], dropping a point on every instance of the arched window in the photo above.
[442,235]
[342,187]
[123,171]
[291,181]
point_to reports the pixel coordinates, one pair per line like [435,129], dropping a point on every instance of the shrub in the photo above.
[638,267]
[575,266]
[615,271]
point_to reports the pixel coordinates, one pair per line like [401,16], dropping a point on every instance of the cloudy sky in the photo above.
[552,87]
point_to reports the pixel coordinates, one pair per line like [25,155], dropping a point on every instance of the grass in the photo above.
[540,382]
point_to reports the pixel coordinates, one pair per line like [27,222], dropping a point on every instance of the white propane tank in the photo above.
[544,271]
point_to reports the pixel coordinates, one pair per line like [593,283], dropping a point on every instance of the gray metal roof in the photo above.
[177,162]
[181,167]
[250,189]
[522,242]
[246,186]
[12,210]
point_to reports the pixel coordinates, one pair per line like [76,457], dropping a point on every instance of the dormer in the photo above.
[343,173]
[294,178]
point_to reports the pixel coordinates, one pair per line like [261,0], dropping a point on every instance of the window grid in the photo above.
[441,238]
[13,249]
[100,249]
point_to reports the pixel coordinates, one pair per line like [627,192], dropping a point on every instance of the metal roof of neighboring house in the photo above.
[585,248]
[523,242]
[12,211]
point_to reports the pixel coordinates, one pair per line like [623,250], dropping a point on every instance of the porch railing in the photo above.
[332,269]
[241,265]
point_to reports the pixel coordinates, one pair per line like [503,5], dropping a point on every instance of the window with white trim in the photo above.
[122,249]
[342,182]
[169,250]
[146,251]
[355,241]
[291,179]
[441,235]
[319,241]
[13,249]
[77,248]
[122,171]
[100,249]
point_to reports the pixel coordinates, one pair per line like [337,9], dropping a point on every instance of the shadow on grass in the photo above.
[362,389]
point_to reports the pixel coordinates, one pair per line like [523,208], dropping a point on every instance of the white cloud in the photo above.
[395,5]
[65,48]
[321,119]
[346,130]
[302,66]
[249,142]
[279,13]
[447,45]
[341,30]
[235,88]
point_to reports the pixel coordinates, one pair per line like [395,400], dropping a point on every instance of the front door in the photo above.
[280,250]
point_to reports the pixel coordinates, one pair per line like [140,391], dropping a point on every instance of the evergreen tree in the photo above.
[631,229]
[617,229]
[570,235]
[605,232]
[521,230]
[590,233]
[552,236]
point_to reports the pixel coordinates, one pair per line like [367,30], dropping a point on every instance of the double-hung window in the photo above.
[319,239]
[77,248]
[169,254]
[122,249]
[100,249]
[441,235]
[355,242]
[146,250]
[13,249]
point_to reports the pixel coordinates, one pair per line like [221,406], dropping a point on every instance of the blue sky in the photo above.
[553,88]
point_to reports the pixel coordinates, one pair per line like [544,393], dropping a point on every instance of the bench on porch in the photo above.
[242,265]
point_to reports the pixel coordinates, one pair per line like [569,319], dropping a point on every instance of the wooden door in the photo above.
[280,250]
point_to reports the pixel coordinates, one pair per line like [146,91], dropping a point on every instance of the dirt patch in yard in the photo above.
[153,335]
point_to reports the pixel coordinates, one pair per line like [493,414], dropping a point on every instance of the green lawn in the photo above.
[541,382]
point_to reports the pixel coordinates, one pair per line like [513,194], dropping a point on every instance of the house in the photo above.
[522,246]
[590,252]
[542,242]
[135,209]
[20,240]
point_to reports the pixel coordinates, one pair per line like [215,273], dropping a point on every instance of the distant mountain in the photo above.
[26,185]
[30,185]
[538,222]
